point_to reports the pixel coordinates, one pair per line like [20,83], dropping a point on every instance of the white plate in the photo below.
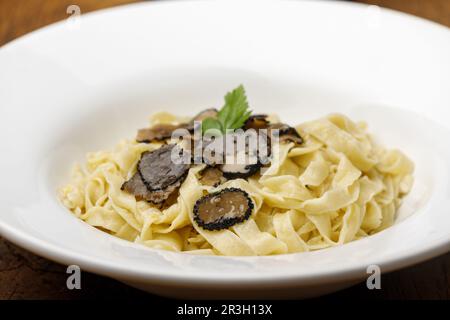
[76,87]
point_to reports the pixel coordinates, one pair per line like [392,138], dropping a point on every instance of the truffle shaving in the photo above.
[240,161]
[207,113]
[287,133]
[137,187]
[223,209]
[211,176]
[256,122]
[157,176]
[159,132]
[158,170]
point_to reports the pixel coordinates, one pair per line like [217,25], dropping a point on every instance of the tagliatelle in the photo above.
[338,186]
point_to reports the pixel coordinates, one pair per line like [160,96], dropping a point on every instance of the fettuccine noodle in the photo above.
[337,187]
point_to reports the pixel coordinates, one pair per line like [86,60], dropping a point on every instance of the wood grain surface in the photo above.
[436,10]
[24,275]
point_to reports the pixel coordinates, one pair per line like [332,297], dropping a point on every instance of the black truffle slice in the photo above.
[223,209]
[160,169]
[211,176]
[256,122]
[163,131]
[239,171]
[138,188]
[239,161]
[213,150]
[207,113]
[287,133]
[159,132]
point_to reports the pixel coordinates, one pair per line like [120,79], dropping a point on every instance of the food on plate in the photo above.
[229,182]
[223,209]
[157,176]
[211,176]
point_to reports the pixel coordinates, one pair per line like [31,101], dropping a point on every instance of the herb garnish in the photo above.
[232,115]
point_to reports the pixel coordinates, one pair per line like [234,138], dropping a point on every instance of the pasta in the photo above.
[338,186]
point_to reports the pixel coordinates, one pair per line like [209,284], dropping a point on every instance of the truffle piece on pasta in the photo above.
[162,167]
[286,133]
[138,188]
[242,155]
[211,176]
[162,172]
[223,209]
[163,131]
[158,132]
[207,113]
[242,171]
[256,122]
[213,149]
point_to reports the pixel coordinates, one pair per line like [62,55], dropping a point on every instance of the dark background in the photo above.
[24,275]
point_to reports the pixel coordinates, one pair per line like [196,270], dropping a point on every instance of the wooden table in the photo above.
[24,275]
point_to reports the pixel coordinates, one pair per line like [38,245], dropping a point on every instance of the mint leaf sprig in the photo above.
[232,115]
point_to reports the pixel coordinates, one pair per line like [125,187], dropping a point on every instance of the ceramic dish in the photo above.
[81,85]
